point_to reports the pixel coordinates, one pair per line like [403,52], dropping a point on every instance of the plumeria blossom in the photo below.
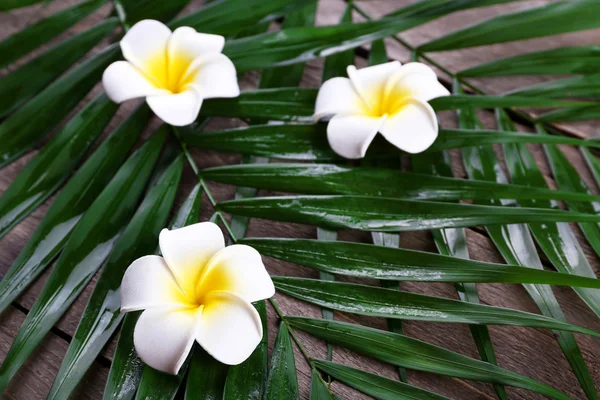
[388,98]
[174,71]
[200,291]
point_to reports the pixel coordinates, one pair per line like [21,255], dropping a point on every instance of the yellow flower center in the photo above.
[379,102]
[169,73]
[199,285]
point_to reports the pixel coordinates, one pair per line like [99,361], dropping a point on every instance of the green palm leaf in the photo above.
[414,354]
[390,215]
[69,206]
[22,129]
[33,36]
[282,382]
[52,166]
[88,246]
[381,302]
[102,314]
[550,19]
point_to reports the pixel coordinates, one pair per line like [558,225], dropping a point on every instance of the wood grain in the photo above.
[528,351]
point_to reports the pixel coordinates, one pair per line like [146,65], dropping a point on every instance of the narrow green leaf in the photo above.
[309,141]
[546,20]
[22,84]
[102,314]
[379,387]
[380,302]
[318,389]
[296,45]
[283,382]
[453,242]
[377,55]
[30,38]
[383,182]
[51,167]
[88,246]
[206,377]
[68,207]
[584,113]
[248,380]
[12,4]
[561,247]
[414,354]
[126,368]
[137,10]
[587,86]
[282,104]
[567,177]
[22,129]
[375,262]
[327,235]
[229,17]
[390,215]
[443,7]
[158,385]
[561,61]
[457,101]
[514,242]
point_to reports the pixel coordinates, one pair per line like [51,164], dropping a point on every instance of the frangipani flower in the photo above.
[174,71]
[200,291]
[387,98]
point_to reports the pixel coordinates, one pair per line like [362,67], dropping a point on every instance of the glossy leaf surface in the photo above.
[549,19]
[206,377]
[51,167]
[33,36]
[87,248]
[561,61]
[380,302]
[318,388]
[282,383]
[373,385]
[28,80]
[22,129]
[390,215]
[309,142]
[102,314]
[561,247]
[414,354]
[384,182]
[68,207]
[367,261]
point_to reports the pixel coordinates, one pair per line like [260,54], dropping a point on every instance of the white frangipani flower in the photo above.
[174,71]
[389,98]
[200,291]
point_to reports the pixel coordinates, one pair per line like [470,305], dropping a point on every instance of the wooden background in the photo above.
[531,352]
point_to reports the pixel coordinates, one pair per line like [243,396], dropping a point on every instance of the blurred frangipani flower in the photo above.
[174,71]
[200,291]
[389,98]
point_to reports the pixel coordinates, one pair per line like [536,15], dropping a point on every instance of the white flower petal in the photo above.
[230,329]
[370,82]
[176,109]
[187,251]
[413,129]
[186,45]
[350,135]
[122,81]
[145,46]
[337,96]
[148,283]
[237,269]
[416,80]
[213,76]
[164,337]
[194,44]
